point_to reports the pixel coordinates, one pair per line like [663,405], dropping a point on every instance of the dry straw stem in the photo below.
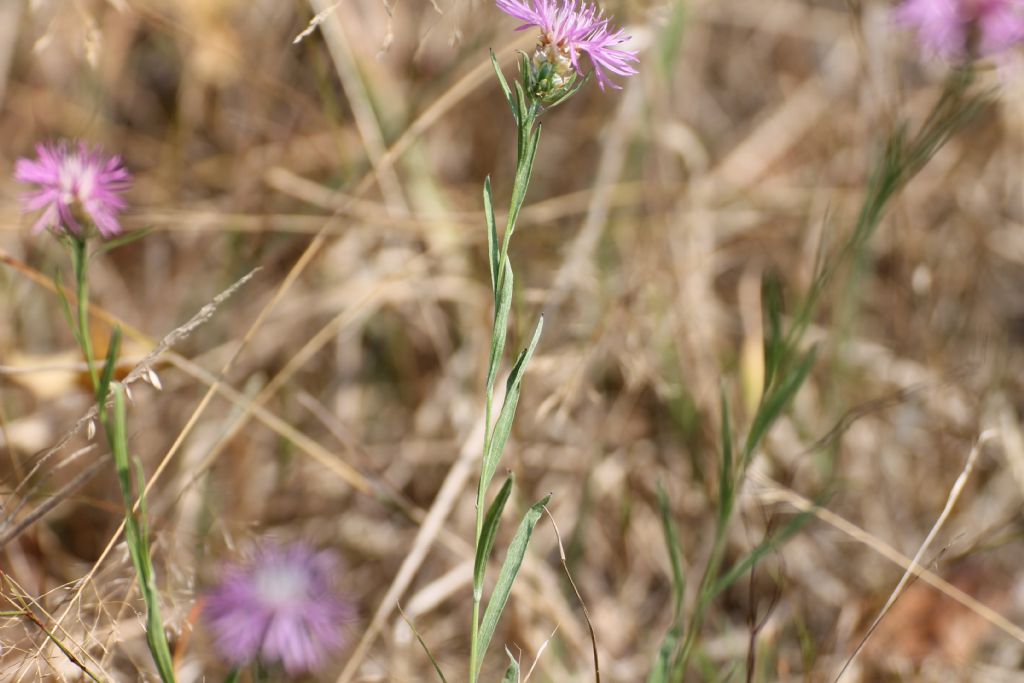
[143,370]
[333,31]
[774,492]
[576,590]
[915,563]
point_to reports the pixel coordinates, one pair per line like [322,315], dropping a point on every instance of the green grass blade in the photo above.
[503,426]
[674,554]
[661,672]
[774,343]
[509,572]
[775,402]
[490,530]
[727,477]
[766,546]
[512,672]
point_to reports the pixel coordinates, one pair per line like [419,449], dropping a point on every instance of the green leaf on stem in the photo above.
[493,254]
[504,86]
[512,672]
[775,402]
[507,576]
[66,306]
[107,376]
[498,333]
[126,238]
[138,543]
[524,170]
[503,426]
[490,530]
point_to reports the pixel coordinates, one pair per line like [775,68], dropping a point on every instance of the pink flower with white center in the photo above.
[74,187]
[568,28]
[279,607]
[955,29]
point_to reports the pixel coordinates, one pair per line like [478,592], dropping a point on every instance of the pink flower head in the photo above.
[73,185]
[279,607]
[569,27]
[955,28]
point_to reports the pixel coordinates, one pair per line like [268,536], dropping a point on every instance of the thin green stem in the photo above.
[524,164]
[80,264]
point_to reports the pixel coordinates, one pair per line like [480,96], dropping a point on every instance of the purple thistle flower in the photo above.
[954,29]
[74,185]
[571,27]
[279,607]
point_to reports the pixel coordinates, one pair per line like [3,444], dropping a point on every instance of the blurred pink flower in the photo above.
[569,27]
[73,185]
[957,28]
[279,607]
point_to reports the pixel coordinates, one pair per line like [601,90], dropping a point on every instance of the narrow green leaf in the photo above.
[490,530]
[522,114]
[775,402]
[569,93]
[423,644]
[232,676]
[504,86]
[661,671]
[765,547]
[126,238]
[499,331]
[512,672]
[138,545]
[492,237]
[726,476]
[674,554]
[774,342]
[507,576]
[503,426]
[107,376]
[524,171]
[65,306]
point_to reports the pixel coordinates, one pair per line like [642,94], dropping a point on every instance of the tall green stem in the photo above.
[524,165]
[80,264]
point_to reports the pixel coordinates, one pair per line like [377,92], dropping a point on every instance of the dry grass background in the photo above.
[349,411]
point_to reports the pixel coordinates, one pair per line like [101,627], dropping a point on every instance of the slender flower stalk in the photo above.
[569,30]
[78,191]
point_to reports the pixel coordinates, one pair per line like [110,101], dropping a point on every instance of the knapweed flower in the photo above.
[567,29]
[955,29]
[279,607]
[75,187]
